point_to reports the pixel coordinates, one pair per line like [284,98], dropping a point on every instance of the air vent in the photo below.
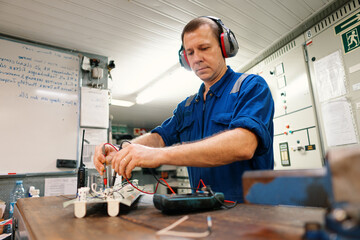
[337,16]
[333,13]
[280,52]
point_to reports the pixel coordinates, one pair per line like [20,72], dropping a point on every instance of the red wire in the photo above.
[112,146]
[138,188]
[201,181]
[155,188]
[167,185]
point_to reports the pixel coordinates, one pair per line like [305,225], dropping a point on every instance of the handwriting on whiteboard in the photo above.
[37,75]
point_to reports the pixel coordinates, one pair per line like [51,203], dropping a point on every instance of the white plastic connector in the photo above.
[97,73]
[82,192]
[113,207]
[80,209]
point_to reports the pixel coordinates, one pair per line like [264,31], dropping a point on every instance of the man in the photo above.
[224,129]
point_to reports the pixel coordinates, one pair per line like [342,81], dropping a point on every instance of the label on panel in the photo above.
[330,76]
[284,154]
[338,122]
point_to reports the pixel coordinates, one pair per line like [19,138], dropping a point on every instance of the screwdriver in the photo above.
[104,174]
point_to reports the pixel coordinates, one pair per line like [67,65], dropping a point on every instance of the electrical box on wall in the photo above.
[334,63]
[296,138]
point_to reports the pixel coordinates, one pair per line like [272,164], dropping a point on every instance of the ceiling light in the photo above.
[177,84]
[146,96]
[121,103]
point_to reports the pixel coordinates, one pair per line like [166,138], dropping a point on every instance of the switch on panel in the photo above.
[281,82]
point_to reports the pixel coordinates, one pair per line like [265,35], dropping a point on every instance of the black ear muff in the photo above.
[184,62]
[229,45]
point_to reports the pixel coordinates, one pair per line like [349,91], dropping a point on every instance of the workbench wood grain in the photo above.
[45,218]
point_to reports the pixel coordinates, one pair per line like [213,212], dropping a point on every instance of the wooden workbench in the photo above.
[45,218]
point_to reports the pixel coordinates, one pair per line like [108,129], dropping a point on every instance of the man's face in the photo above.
[204,54]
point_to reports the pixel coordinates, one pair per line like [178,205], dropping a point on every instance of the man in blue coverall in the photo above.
[223,130]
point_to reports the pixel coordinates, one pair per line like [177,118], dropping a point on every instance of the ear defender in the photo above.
[228,43]
[183,59]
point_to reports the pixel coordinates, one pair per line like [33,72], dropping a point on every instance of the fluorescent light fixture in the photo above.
[146,96]
[121,103]
[179,83]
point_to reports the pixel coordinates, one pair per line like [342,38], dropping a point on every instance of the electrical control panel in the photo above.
[333,49]
[296,137]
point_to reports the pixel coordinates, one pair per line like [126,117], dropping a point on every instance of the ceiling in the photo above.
[143,37]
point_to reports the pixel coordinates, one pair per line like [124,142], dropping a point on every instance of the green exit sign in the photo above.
[349,29]
[351,39]
[355,19]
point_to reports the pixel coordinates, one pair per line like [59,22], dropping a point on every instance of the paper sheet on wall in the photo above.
[94,138]
[330,77]
[94,108]
[338,122]
[60,186]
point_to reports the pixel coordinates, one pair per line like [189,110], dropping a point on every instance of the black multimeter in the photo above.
[188,202]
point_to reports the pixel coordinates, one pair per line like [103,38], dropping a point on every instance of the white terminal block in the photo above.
[80,204]
[126,194]
[82,192]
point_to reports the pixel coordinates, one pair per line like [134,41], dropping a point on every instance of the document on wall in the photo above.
[94,108]
[330,77]
[60,186]
[93,138]
[338,122]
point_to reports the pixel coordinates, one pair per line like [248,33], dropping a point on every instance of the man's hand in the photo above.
[100,159]
[135,155]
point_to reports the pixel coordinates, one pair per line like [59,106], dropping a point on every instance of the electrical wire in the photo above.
[152,173]
[222,204]
[151,193]
[213,194]
[158,181]
[161,179]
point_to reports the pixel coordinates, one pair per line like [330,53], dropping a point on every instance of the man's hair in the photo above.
[197,22]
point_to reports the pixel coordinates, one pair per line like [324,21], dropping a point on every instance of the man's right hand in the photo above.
[100,159]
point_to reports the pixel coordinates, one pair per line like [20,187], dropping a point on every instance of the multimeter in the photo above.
[188,202]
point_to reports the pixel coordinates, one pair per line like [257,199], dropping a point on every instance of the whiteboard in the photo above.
[39,107]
